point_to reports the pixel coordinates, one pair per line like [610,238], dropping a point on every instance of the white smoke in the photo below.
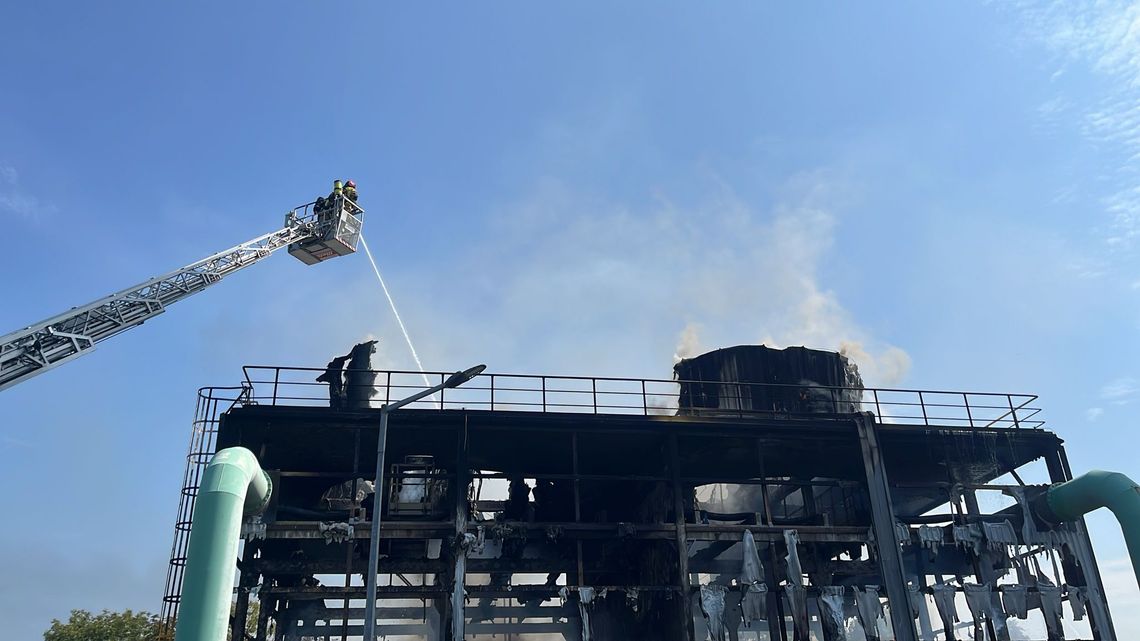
[758,282]
[576,283]
[688,343]
[886,368]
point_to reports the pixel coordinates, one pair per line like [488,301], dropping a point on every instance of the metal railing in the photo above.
[308,212]
[270,385]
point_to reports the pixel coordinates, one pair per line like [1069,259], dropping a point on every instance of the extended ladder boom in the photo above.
[52,342]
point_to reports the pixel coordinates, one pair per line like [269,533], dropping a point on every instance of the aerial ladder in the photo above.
[314,232]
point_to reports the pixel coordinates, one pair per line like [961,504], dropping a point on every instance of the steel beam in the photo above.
[571,530]
[420,629]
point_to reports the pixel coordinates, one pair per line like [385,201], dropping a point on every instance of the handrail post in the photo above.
[276,379]
[544,394]
[922,404]
[594,387]
[970,416]
[1012,411]
[644,400]
[388,389]
[492,392]
[878,410]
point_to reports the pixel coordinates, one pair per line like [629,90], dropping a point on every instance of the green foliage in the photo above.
[124,626]
[250,622]
[105,626]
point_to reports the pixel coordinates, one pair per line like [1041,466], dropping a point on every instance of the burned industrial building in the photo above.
[760,494]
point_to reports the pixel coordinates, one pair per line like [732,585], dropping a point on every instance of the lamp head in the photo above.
[459,378]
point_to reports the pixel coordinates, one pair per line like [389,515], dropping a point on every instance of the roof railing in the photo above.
[297,386]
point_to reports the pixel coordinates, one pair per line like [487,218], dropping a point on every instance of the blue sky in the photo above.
[952,190]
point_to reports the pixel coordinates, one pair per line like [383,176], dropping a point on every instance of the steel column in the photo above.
[374,537]
[883,525]
[459,579]
[687,631]
[1100,621]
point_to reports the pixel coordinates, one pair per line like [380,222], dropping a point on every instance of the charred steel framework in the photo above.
[617,542]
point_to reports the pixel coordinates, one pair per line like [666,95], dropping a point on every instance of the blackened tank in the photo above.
[756,378]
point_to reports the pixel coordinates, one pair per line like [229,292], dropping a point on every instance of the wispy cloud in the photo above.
[12,441]
[1120,391]
[1123,596]
[14,199]
[1093,413]
[1102,38]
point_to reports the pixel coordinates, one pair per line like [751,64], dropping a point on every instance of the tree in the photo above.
[127,626]
[105,626]
[250,621]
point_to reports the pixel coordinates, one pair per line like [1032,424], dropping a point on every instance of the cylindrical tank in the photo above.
[756,378]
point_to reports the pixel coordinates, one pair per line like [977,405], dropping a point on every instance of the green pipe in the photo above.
[1073,499]
[233,486]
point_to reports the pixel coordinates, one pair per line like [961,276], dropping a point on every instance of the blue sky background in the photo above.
[951,190]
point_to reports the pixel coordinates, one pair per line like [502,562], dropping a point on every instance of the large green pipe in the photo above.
[233,485]
[1073,499]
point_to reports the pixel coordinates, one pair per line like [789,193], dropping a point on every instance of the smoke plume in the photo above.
[757,281]
[585,284]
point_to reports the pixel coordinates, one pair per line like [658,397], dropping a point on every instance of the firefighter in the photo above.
[324,205]
[350,190]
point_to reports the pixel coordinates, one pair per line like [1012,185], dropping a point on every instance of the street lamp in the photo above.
[455,380]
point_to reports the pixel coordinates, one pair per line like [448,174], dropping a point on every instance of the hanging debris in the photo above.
[795,591]
[999,536]
[754,597]
[831,612]
[969,537]
[930,538]
[712,606]
[1076,601]
[980,601]
[1013,599]
[1051,609]
[944,603]
[870,610]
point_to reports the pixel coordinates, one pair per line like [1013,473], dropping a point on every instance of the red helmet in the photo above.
[351,183]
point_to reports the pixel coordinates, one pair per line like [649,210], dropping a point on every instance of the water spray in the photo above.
[392,304]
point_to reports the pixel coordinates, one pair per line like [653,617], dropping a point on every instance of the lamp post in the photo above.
[455,380]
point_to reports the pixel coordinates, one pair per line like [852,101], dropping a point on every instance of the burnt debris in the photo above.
[762,379]
[351,389]
[334,376]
